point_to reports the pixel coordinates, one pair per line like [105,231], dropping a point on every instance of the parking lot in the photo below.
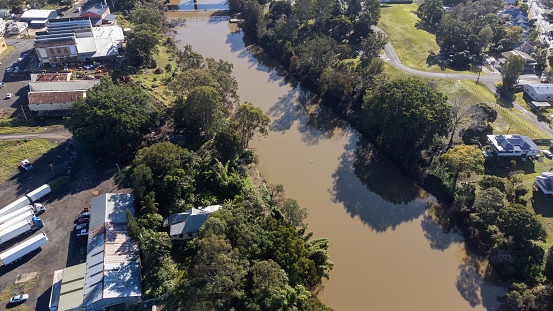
[85,178]
[16,84]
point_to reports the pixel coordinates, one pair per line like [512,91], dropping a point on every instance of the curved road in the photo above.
[490,79]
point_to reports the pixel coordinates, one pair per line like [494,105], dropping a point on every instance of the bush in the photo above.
[248,155]
[152,64]
[492,181]
[168,67]
[158,71]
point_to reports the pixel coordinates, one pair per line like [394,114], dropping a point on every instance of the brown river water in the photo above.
[392,247]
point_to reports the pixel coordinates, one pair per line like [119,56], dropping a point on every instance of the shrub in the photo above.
[248,155]
[158,71]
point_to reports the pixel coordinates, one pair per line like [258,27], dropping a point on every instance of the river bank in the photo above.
[386,243]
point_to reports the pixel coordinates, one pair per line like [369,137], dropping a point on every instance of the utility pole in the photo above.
[24,114]
[510,127]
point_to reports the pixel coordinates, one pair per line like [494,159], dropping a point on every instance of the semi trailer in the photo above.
[29,199]
[23,249]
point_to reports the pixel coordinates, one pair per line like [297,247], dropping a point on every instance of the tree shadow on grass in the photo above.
[433,59]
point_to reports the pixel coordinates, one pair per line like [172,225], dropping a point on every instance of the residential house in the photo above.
[510,2]
[98,10]
[77,41]
[539,92]
[110,278]
[545,182]
[54,97]
[530,62]
[526,47]
[512,145]
[186,226]
[511,11]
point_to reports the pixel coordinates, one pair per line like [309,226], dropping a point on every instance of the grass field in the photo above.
[510,120]
[153,83]
[412,45]
[13,151]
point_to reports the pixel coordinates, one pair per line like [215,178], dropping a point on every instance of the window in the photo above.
[51,51]
[58,50]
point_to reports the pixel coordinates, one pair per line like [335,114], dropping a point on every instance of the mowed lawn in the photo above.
[412,45]
[13,151]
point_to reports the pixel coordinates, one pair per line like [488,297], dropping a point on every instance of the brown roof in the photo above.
[50,76]
[54,97]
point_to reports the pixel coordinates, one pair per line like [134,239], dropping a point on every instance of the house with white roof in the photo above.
[512,145]
[545,182]
[186,226]
[539,92]
[38,18]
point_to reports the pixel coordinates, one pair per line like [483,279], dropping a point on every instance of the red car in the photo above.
[82,220]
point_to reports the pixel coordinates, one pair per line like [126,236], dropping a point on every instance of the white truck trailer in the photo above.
[28,199]
[23,249]
[27,215]
[6,217]
[19,228]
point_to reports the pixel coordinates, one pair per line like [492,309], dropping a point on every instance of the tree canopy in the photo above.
[111,117]
[512,69]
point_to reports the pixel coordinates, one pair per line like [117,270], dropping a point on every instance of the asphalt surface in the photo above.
[16,84]
[58,134]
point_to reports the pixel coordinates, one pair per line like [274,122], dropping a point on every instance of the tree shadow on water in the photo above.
[437,228]
[392,198]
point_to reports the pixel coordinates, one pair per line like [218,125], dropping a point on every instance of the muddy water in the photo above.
[388,250]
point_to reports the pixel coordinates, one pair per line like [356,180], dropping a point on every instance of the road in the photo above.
[490,79]
[58,134]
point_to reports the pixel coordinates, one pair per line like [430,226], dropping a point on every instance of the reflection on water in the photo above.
[198,5]
[392,246]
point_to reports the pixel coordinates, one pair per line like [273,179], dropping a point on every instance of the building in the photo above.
[539,92]
[50,76]
[186,226]
[53,98]
[530,62]
[97,10]
[526,47]
[15,28]
[3,25]
[38,17]
[3,45]
[110,278]
[4,13]
[77,41]
[512,145]
[545,182]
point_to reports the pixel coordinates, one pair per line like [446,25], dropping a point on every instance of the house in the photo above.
[526,47]
[77,41]
[41,15]
[539,92]
[4,13]
[510,2]
[530,62]
[519,17]
[14,28]
[54,97]
[545,182]
[186,226]
[98,10]
[511,11]
[512,145]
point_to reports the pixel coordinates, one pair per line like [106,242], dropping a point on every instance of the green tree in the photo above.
[515,188]
[293,213]
[202,109]
[161,159]
[541,57]
[255,19]
[142,180]
[489,201]
[431,12]
[270,288]
[485,36]
[489,181]
[405,116]
[148,16]
[512,69]
[521,224]
[111,117]
[251,120]
[371,46]
[158,278]
[524,7]
[142,42]
[464,158]
[228,143]
[132,226]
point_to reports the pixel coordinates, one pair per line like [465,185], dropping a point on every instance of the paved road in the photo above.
[490,79]
[58,135]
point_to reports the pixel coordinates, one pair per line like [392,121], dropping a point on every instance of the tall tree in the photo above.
[293,213]
[255,19]
[512,69]
[464,158]
[202,108]
[431,12]
[148,16]
[142,42]
[251,120]
[111,117]
[371,46]
[405,116]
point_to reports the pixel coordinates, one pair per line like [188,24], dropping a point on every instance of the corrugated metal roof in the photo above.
[36,14]
[74,85]
[50,76]
[72,284]
[192,225]
[97,9]
[53,97]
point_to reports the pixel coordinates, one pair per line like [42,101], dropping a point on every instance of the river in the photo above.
[391,245]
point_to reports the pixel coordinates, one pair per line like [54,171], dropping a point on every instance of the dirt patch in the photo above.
[22,278]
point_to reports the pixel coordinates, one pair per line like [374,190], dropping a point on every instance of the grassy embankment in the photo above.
[415,47]
[13,151]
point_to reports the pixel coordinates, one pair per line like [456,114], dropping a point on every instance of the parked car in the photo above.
[9,69]
[82,232]
[19,298]
[83,220]
[9,95]
[84,215]
[547,153]
[81,226]
[16,70]
[26,165]
[19,60]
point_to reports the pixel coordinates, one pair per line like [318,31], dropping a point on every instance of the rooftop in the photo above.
[541,89]
[72,85]
[50,76]
[36,14]
[97,9]
[51,97]
[72,284]
[512,142]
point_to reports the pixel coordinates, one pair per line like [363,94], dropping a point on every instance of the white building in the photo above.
[545,182]
[512,145]
[55,97]
[539,92]
[31,15]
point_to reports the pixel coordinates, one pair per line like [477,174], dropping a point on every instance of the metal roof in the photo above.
[72,284]
[50,76]
[541,89]
[513,142]
[97,9]
[37,14]
[54,97]
[191,225]
[73,85]
[111,207]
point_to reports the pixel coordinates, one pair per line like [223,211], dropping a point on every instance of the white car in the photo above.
[9,95]
[19,298]
[83,232]
[547,153]
[26,165]
[81,226]
[9,69]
